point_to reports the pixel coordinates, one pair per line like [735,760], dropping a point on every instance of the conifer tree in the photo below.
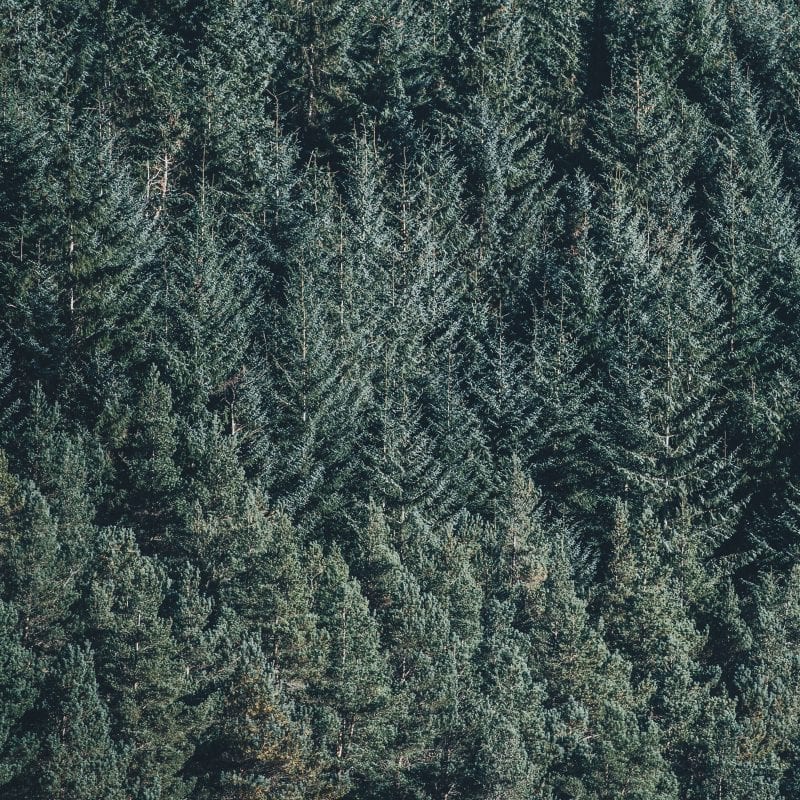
[260,749]
[19,679]
[415,632]
[662,372]
[327,40]
[140,669]
[655,596]
[507,174]
[606,743]
[415,370]
[43,562]
[148,467]
[643,34]
[77,756]
[561,363]
[766,43]
[235,57]
[702,42]
[81,279]
[513,749]
[351,692]
[766,678]
[754,237]
[558,49]
[316,395]
[203,317]
[258,569]
[663,348]
[59,459]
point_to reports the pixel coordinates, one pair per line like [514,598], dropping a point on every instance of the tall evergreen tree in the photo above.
[80,278]
[140,669]
[754,240]
[19,678]
[260,749]
[351,693]
[77,757]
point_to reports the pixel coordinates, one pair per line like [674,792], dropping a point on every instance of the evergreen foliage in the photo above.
[399,401]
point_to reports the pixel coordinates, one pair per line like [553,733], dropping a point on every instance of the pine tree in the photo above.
[644,135]
[420,459]
[600,741]
[314,386]
[512,749]
[204,313]
[80,279]
[327,41]
[766,679]
[259,570]
[235,57]
[643,33]
[19,679]
[561,361]
[508,178]
[399,402]
[42,563]
[60,459]
[148,467]
[26,153]
[415,634]
[77,757]
[662,337]
[765,41]
[656,584]
[140,670]
[261,748]
[559,53]
[351,693]
[662,372]
[702,42]
[8,405]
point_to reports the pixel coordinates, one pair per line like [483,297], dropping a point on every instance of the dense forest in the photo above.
[399,400]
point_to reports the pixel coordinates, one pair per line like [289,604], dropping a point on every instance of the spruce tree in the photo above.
[43,561]
[766,42]
[80,280]
[148,468]
[766,678]
[316,394]
[753,235]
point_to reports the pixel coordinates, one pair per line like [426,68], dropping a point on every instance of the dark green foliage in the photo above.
[18,679]
[77,757]
[150,477]
[399,401]
[350,692]
[44,555]
[140,667]
[77,248]
[261,747]
[754,239]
